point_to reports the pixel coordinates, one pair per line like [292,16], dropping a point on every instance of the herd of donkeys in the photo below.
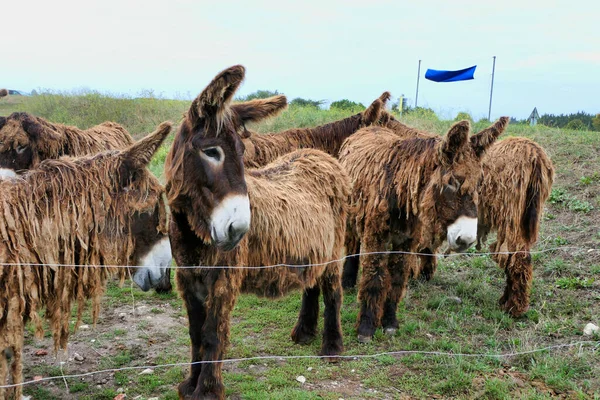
[273,212]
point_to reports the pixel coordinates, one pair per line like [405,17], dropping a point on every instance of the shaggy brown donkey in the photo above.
[24,146]
[102,210]
[517,181]
[298,206]
[22,149]
[261,149]
[408,195]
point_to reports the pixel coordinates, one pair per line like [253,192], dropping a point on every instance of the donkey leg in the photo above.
[400,272]
[17,371]
[164,286]
[351,264]
[519,276]
[333,297]
[196,311]
[374,286]
[215,339]
[305,330]
[428,265]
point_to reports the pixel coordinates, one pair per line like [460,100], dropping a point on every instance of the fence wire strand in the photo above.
[441,255]
[341,357]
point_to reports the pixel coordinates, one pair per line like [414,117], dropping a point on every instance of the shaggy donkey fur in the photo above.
[261,149]
[24,146]
[408,195]
[298,206]
[100,210]
[517,180]
[26,140]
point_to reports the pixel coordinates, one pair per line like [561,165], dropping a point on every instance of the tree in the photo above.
[346,104]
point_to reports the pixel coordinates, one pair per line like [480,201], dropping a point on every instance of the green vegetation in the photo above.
[565,297]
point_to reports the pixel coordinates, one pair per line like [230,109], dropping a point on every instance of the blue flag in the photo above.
[450,76]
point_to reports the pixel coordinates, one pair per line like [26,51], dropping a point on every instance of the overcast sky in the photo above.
[548,54]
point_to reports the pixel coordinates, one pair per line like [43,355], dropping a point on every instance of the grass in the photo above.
[456,312]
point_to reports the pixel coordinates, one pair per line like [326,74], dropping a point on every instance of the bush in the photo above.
[346,104]
[576,125]
[462,116]
[300,102]
[596,122]
[259,94]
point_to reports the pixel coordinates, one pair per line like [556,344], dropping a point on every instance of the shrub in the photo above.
[346,104]
[463,115]
[300,102]
[259,94]
[576,125]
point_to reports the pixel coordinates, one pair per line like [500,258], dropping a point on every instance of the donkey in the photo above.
[408,195]
[26,140]
[60,223]
[264,148]
[517,181]
[22,149]
[291,211]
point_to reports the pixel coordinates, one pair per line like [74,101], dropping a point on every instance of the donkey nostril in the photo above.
[459,240]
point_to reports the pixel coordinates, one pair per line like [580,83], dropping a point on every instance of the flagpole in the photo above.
[492,90]
[418,76]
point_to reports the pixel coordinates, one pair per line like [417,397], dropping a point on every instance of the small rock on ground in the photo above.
[301,379]
[147,371]
[590,329]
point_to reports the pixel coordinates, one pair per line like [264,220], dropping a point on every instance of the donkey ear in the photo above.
[484,139]
[456,138]
[139,154]
[215,98]
[374,112]
[258,109]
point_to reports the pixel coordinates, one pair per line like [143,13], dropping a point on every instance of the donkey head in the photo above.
[205,169]
[24,142]
[141,200]
[454,187]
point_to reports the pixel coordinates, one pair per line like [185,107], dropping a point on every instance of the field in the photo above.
[455,313]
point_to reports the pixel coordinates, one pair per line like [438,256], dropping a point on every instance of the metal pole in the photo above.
[492,90]
[418,76]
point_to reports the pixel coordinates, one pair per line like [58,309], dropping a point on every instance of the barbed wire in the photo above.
[281,358]
[443,255]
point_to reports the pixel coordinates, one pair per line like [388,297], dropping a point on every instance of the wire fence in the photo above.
[398,353]
[441,255]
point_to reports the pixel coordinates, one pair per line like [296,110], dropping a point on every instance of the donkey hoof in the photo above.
[364,339]
[390,331]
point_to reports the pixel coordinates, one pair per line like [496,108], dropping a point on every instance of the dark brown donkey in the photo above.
[262,149]
[291,211]
[408,195]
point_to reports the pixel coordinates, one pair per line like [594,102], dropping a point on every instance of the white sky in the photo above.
[548,53]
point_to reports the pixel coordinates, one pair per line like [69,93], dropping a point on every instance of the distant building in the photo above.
[533,117]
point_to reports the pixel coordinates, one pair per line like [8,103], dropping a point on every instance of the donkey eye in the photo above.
[213,152]
[21,149]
